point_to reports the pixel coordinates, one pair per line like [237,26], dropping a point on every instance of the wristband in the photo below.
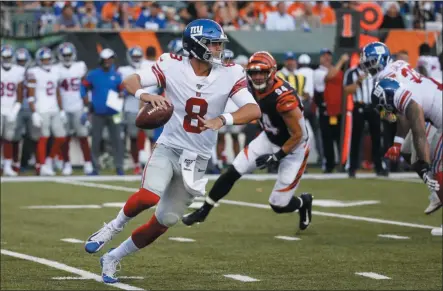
[139,92]
[229,119]
[280,154]
[399,140]
[31,99]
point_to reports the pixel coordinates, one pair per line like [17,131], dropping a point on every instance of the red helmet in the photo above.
[261,61]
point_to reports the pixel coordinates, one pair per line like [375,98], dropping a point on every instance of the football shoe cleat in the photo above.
[98,239]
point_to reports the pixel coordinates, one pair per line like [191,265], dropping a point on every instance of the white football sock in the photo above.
[7,163]
[120,221]
[125,248]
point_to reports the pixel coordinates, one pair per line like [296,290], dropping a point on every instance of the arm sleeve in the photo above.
[402,98]
[243,97]
[155,75]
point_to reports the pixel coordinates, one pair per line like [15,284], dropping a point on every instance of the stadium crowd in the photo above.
[232,15]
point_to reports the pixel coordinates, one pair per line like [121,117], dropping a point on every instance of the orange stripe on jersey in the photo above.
[287,102]
[299,173]
[246,150]
[403,99]
[240,84]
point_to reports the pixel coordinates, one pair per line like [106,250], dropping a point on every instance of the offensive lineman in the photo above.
[198,87]
[71,74]
[11,94]
[284,139]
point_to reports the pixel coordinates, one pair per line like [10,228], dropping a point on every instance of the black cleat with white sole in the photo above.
[305,211]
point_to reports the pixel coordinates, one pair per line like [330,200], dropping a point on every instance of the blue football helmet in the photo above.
[23,57]
[374,58]
[7,56]
[199,35]
[382,98]
[134,56]
[43,58]
[175,46]
[66,53]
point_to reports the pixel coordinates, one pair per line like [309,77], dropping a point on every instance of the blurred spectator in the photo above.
[172,19]
[123,18]
[429,65]
[152,18]
[280,20]
[402,56]
[392,18]
[108,12]
[46,17]
[248,15]
[328,86]
[89,18]
[296,8]
[226,14]
[67,20]
[307,20]
[59,5]
[423,12]
[201,10]
[326,13]
[184,15]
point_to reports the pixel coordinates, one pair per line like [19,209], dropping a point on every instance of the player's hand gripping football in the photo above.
[214,124]
[393,152]
[155,100]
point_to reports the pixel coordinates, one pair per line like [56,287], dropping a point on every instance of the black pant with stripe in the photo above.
[330,133]
[361,114]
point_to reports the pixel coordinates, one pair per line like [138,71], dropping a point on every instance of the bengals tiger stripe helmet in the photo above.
[261,61]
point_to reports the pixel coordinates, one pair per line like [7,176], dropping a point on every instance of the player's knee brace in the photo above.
[293,205]
[168,219]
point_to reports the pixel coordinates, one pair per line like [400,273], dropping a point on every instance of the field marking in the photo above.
[84,278]
[72,240]
[342,203]
[403,177]
[373,275]
[182,239]
[283,237]
[393,236]
[66,268]
[266,206]
[61,207]
[241,278]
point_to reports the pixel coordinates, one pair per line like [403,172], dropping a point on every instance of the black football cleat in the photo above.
[305,211]
[195,217]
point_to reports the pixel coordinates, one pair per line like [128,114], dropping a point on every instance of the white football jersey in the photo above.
[69,84]
[432,66]
[424,91]
[45,88]
[194,96]
[132,104]
[8,86]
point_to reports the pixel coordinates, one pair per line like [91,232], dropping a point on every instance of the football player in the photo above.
[416,106]
[11,93]
[46,105]
[198,87]
[284,140]
[376,60]
[71,74]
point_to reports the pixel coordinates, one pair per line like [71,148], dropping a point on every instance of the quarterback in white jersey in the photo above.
[11,88]
[45,102]
[199,88]
[71,73]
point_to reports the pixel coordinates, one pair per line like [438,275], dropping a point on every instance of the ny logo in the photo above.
[196,30]
[188,162]
[199,86]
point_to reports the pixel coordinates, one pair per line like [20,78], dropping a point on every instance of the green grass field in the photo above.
[236,239]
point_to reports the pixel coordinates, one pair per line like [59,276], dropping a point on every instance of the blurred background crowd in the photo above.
[19,17]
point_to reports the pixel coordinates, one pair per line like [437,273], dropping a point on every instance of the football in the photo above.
[149,117]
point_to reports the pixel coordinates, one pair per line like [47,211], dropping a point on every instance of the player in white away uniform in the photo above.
[198,87]
[415,98]
[11,94]
[71,75]
[429,65]
[47,109]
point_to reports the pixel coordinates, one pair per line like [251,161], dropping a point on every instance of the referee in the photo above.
[360,86]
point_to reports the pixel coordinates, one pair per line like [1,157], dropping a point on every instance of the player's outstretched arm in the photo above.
[415,116]
[134,85]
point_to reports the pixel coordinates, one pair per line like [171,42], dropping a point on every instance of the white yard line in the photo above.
[283,237]
[66,268]
[84,278]
[72,240]
[266,206]
[182,239]
[393,236]
[403,177]
[62,207]
[373,275]
[241,278]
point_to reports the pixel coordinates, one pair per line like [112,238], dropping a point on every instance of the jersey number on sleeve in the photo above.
[71,84]
[7,89]
[408,71]
[194,107]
